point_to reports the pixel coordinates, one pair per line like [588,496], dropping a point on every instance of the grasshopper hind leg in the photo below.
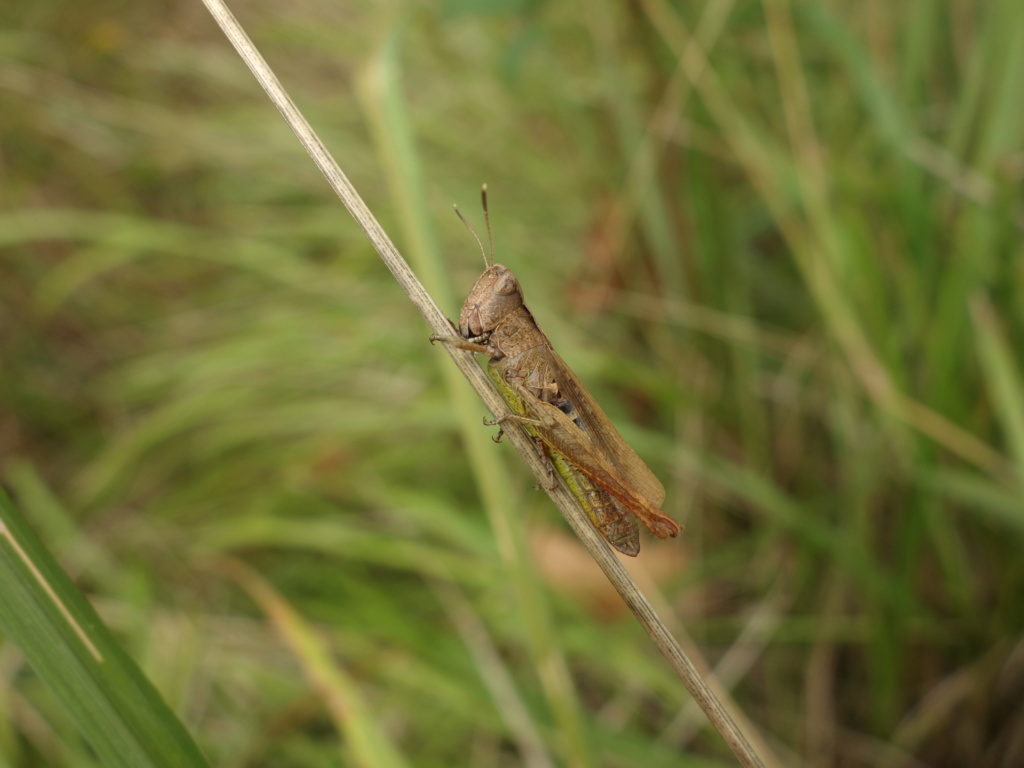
[619,528]
[615,523]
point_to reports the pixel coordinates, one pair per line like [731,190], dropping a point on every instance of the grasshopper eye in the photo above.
[506,284]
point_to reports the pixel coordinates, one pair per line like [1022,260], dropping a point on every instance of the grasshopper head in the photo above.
[495,295]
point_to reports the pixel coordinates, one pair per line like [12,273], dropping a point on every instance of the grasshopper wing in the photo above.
[603,433]
[560,434]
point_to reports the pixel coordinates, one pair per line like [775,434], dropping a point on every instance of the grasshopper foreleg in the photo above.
[512,417]
[500,421]
[468,345]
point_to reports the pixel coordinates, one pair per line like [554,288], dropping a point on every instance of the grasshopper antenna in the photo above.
[472,232]
[487,218]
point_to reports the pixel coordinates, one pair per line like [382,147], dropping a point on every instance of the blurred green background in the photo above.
[781,244]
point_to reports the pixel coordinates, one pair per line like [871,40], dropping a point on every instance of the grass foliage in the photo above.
[780,241]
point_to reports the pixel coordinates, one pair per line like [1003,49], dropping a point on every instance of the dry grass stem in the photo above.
[438,323]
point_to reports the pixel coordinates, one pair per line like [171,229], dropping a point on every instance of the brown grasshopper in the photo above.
[572,433]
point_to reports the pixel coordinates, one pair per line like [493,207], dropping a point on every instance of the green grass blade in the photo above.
[1003,377]
[62,637]
[350,710]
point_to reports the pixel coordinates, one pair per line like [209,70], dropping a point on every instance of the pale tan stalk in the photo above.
[438,323]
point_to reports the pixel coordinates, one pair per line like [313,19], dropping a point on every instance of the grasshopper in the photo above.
[574,437]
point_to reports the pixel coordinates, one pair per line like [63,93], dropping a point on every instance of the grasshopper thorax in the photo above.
[495,295]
